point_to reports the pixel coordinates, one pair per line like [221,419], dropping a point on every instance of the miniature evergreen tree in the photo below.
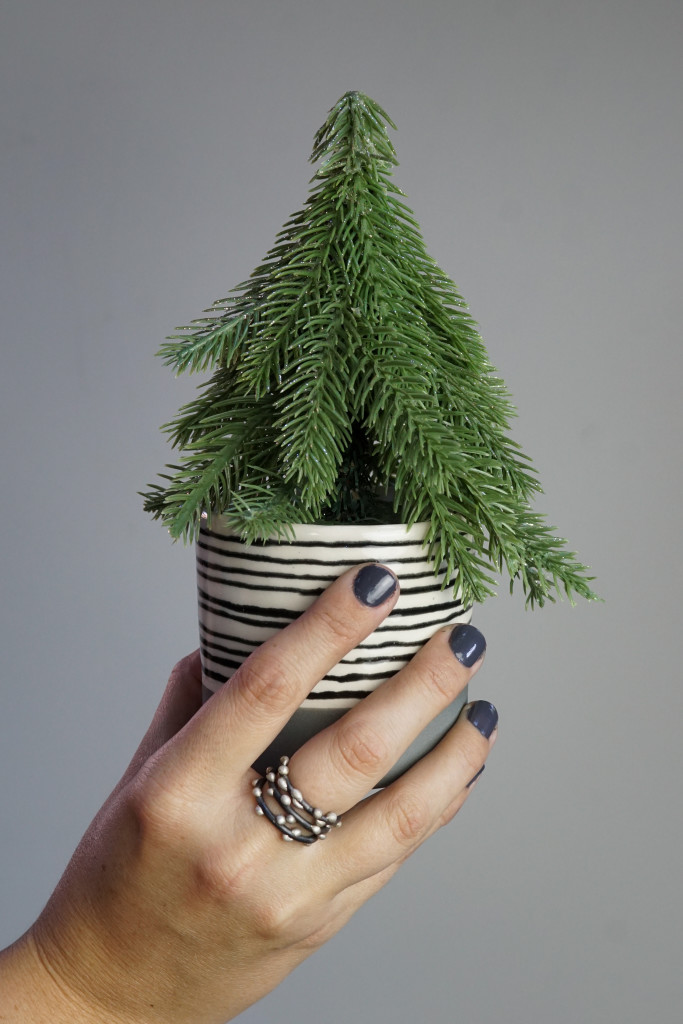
[350,384]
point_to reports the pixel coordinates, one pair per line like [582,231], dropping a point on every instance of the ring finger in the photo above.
[341,764]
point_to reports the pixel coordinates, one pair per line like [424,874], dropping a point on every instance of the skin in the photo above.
[180,904]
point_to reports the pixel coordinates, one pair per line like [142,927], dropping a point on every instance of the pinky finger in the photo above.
[352,898]
[449,813]
[387,826]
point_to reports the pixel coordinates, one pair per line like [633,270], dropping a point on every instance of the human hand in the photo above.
[181,904]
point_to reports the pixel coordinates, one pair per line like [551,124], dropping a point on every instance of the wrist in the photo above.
[32,993]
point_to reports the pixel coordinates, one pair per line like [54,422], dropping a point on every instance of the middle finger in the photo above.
[340,765]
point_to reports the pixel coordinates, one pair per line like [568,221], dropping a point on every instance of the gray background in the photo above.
[150,151]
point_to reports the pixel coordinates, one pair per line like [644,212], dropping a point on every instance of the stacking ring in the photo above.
[294,817]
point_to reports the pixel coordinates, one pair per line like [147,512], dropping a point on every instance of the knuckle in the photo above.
[216,881]
[265,684]
[311,942]
[439,680]
[276,921]
[409,819]
[340,630]
[161,812]
[359,750]
[152,809]
[233,886]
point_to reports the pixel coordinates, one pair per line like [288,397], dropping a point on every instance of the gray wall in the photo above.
[150,151]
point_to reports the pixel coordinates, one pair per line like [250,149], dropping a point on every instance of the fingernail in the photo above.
[373,585]
[483,717]
[467,644]
[474,778]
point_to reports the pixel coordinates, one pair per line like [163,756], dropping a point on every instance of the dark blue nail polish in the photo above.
[475,777]
[483,717]
[373,585]
[467,644]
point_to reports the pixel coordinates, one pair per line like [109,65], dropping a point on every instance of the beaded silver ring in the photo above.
[296,819]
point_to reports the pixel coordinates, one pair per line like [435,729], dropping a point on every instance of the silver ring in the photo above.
[293,816]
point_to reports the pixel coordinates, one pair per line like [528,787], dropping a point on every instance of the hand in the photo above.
[181,904]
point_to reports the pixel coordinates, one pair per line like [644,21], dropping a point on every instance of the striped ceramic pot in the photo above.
[248,592]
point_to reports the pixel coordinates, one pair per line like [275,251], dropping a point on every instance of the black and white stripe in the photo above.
[247,593]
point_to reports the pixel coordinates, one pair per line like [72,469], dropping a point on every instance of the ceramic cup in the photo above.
[248,592]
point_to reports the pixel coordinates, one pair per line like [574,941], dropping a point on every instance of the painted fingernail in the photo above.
[467,644]
[475,777]
[374,584]
[483,717]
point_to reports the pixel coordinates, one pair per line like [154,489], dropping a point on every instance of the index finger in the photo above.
[245,715]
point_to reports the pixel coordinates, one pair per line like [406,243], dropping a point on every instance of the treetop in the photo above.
[354,133]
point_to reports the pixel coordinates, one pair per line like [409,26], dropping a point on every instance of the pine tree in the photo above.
[351,384]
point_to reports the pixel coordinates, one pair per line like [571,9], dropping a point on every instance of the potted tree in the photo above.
[352,414]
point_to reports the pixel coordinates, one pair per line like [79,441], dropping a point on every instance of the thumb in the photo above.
[181,700]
